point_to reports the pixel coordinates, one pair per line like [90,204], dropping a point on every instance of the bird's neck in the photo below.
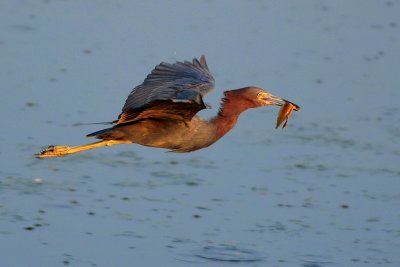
[231,108]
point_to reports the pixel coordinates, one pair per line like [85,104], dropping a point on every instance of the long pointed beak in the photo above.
[278,101]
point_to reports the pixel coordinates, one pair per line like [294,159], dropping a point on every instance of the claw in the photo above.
[53,151]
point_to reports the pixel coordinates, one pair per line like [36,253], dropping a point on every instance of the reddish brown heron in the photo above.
[161,112]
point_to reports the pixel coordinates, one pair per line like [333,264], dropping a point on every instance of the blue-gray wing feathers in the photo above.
[170,91]
[168,81]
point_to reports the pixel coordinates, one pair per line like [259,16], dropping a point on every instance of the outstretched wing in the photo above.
[170,91]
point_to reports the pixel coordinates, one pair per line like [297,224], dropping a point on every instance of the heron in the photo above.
[161,112]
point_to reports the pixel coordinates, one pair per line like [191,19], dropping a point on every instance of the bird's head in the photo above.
[257,97]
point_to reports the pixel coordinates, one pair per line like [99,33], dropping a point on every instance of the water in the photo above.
[322,192]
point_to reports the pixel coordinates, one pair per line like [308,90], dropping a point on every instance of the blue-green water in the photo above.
[323,192]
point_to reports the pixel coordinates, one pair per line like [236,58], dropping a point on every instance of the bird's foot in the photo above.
[53,151]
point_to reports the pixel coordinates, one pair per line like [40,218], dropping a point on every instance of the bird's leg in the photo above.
[58,151]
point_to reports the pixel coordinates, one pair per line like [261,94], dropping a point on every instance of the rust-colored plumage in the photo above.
[161,112]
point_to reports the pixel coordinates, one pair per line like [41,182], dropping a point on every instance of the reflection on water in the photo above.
[228,253]
[315,261]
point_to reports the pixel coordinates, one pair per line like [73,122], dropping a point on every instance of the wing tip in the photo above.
[203,61]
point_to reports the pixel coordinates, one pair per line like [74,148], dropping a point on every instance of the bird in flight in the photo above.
[161,112]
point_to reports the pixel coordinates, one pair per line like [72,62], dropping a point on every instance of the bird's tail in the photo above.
[108,134]
[99,134]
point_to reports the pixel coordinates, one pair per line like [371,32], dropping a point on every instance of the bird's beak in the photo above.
[274,100]
[278,101]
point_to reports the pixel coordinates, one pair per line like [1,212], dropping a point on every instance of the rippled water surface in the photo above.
[323,192]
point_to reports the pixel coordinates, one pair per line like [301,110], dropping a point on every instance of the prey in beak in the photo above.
[285,111]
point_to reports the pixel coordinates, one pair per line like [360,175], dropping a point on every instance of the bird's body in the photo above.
[176,136]
[161,112]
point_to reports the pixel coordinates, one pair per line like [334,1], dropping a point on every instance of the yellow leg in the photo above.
[58,151]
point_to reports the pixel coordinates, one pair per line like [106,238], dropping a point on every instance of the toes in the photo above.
[52,151]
